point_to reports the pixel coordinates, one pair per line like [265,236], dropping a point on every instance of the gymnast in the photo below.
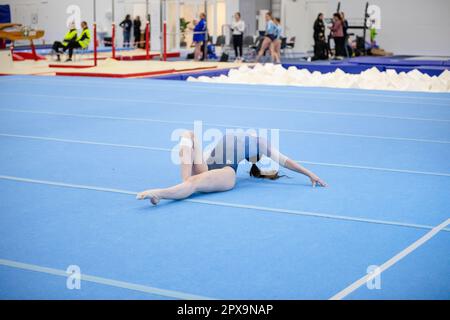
[269,37]
[218,172]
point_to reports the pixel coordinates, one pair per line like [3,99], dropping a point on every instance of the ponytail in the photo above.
[256,172]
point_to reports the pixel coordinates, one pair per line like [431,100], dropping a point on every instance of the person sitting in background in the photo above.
[211,49]
[199,36]
[126,25]
[81,42]
[137,31]
[337,32]
[70,36]
[238,27]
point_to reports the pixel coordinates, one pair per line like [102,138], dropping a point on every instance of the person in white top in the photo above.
[238,28]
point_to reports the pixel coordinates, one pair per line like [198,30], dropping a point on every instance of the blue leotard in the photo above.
[232,149]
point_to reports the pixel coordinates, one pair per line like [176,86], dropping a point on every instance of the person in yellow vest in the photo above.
[81,42]
[70,36]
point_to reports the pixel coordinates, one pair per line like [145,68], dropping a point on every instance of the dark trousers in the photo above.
[71,46]
[57,45]
[339,43]
[237,43]
[137,39]
[126,39]
[320,50]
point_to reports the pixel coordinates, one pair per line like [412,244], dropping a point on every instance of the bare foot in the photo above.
[148,194]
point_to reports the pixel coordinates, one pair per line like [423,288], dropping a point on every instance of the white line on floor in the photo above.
[360,282]
[226,204]
[224,106]
[244,88]
[7,135]
[90,116]
[104,281]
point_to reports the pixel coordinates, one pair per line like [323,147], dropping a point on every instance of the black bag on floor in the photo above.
[224,57]
[190,55]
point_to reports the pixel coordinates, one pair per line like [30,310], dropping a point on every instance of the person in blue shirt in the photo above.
[199,36]
[276,44]
[270,36]
[211,49]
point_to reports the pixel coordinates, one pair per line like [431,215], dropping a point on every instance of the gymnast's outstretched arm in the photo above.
[290,164]
[294,166]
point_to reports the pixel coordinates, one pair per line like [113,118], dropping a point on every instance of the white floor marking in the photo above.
[295,110]
[443,174]
[83,142]
[360,282]
[235,87]
[225,204]
[227,106]
[7,135]
[90,116]
[104,281]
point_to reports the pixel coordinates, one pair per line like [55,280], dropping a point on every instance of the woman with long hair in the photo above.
[137,31]
[218,172]
[276,44]
[237,28]
[269,37]
[337,31]
[320,45]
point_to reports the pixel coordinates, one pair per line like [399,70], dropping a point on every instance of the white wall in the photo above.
[249,10]
[296,17]
[52,16]
[415,27]
[409,26]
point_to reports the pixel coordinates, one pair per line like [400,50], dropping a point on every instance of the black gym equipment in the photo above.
[360,41]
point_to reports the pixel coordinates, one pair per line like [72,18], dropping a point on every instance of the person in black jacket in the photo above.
[320,45]
[137,31]
[348,49]
[126,25]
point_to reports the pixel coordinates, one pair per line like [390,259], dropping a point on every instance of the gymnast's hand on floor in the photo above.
[315,180]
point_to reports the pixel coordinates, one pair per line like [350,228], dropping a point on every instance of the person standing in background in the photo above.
[320,45]
[337,32]
[344,24]
[126,25]
[276,44]
[238,28]
[137,31]
[347,50]
[199,36]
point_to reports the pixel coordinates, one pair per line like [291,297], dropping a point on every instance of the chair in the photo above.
[220,41]
[78,53]
[248,41]
[283,43]
[289,47]
[253,49]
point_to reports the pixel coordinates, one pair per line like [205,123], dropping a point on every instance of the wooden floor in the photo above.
[107,67]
